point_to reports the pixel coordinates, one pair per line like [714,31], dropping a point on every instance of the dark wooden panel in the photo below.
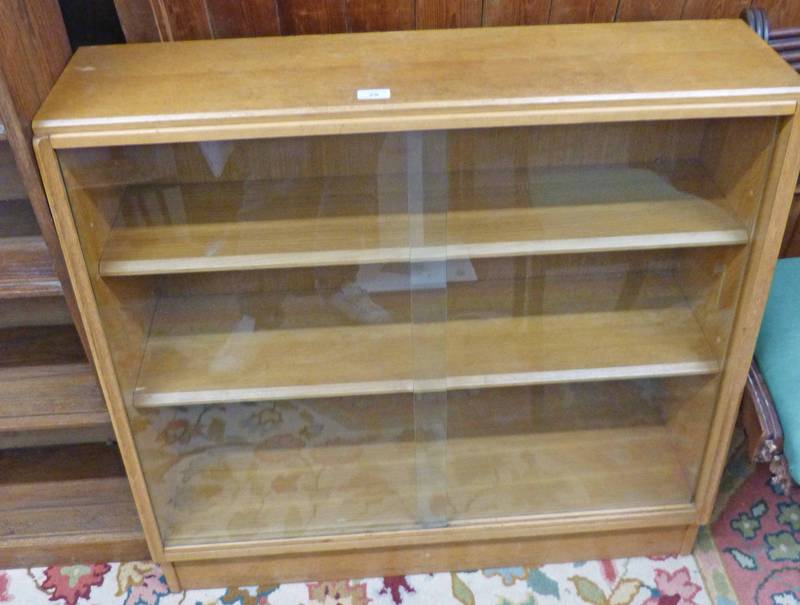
[137,20]
[515,12]
[440,14]
[379,15]
[60,396]
[713,9]
[66,504]
[782,13]
[583,11]
[39,346]
[183,19]
[312,16]
[791,238]
[33,51]
[26,269]
[649,10]
[243,18]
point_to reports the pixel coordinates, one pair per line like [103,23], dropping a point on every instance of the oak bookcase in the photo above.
[381,303]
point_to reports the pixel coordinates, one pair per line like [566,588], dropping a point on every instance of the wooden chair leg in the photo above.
[763,429]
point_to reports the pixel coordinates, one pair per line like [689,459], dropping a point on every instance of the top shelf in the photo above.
[184,90]
[201,227]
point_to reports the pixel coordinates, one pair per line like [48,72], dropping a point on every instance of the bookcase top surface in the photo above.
[413,75]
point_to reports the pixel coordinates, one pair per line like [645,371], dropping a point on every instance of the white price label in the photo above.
[374,94]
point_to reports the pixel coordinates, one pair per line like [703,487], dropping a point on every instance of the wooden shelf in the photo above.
[244,225]
[47,383]
[26,268]
[33,346]
[66,504]
[51,397]
[352,488]
[184,364]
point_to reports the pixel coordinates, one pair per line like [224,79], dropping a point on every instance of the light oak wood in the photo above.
[102,93]
[372,359]
[78,273]
[779,188]
[728,107]
[552,212]
[443,556]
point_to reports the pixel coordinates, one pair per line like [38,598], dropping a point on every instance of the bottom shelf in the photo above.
[66,504]
[550,462]
[47,384]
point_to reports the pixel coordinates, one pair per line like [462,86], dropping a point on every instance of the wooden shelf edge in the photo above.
[61,550]
[51,396]
[494,529]
[131,268]
[26,269]
[55,421]
[79,134]
[221,396]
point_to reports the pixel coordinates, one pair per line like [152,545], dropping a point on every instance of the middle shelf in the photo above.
[228,347]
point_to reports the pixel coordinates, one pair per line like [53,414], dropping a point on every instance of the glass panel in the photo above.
[340,334]
[273,373]
[574,435]
[599,270]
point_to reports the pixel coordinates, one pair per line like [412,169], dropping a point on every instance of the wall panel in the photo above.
[516,12]
[648,10]
[782,13]
[379,15]
[583,11]
[137,20]
[243,18]
[312,16]
[713,9]
[183,19]
[147,20]
[441,14]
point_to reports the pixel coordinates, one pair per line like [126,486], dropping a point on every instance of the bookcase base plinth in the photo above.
[529,552]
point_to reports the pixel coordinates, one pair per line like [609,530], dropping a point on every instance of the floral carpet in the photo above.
[749,556]
[640,581]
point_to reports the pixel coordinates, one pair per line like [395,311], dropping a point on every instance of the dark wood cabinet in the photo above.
[63,492]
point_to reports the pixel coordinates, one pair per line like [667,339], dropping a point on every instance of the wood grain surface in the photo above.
[146,20]
[119,88]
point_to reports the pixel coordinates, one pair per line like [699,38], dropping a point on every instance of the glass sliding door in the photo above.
[375,332]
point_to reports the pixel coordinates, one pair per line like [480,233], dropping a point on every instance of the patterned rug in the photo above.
[640,581]
[758,537]
[749,556]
